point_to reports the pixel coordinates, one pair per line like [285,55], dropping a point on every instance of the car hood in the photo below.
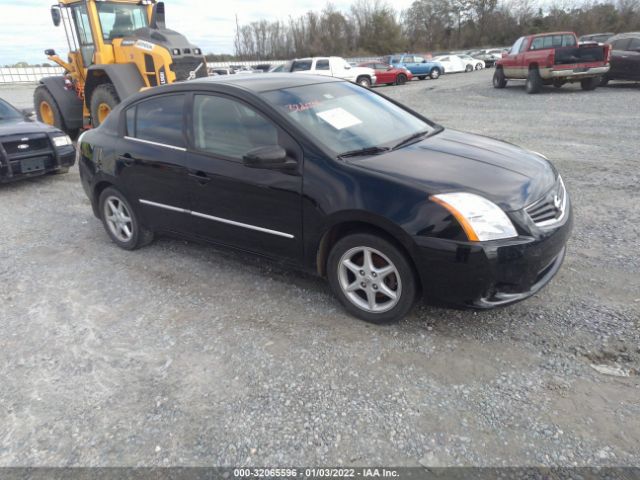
[453,161]
[24,127]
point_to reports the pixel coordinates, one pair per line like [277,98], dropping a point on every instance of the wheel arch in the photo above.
[67,101]
[346,226]
[125,78]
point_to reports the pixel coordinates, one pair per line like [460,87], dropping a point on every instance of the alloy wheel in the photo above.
[118,219]
[369,279]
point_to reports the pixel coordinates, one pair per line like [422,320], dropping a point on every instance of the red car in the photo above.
[388,75]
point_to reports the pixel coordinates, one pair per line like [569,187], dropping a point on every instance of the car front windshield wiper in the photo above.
[407,140]
[361,152]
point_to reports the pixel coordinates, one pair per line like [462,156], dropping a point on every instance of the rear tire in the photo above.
[121,221]
[401,79]
[534,81]
[362,288]
[435,74]
[588,84]
[499,80]
[103,100]
[468,68]
[364,81]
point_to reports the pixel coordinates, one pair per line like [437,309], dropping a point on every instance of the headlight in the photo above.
[480,218]
[62,141]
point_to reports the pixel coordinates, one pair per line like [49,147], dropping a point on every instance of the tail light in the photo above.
[608,47]
[551,58]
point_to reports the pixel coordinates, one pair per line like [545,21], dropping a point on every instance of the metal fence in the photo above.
[28,74]
[34,74]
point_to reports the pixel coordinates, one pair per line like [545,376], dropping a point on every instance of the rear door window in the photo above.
[158,120]
[634,44]
[322,65]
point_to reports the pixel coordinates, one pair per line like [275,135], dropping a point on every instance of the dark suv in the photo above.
[625,57]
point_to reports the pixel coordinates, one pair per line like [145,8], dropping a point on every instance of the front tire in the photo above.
[103,100]
[401,79]
[534,81]
[588,84]
[468,68]
[47,110]
[499,80]
[121,221]
[364,81]
[372,278]
[435,74]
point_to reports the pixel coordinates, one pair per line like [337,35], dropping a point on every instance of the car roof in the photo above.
[625,35]
[263,82]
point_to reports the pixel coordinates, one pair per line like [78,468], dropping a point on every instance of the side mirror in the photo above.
[269,156]
[50,52]
[28,113]
[424,61]
[56,16]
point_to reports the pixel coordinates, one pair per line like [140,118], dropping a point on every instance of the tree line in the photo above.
[372,27]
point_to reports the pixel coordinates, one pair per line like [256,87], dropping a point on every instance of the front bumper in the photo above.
[491,274]
[13,167]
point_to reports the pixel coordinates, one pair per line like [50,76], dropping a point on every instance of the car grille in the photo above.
[551,208]
[25,144]
[183,67]
[20,153]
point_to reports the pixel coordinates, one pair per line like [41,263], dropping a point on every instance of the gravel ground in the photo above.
[180,354]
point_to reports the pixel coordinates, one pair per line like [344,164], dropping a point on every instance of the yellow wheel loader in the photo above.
[116,48]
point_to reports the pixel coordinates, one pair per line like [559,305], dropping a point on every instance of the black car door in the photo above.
[632,59]
[152,161]
[252,208]
[618,58]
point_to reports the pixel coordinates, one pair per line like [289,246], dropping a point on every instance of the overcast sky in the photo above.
[26,29]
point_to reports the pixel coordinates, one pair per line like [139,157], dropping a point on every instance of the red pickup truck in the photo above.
[552,59]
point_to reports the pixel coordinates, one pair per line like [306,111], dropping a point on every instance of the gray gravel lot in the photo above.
[180,354]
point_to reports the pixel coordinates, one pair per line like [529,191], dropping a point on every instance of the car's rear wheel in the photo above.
[534,81]
[435,73]
[499,80]
[121,221]
[401,79]
[468,68]
[590,83]
[372,278]
[364,81]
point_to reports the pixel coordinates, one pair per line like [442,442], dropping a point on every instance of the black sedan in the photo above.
[333,178]
[29,148]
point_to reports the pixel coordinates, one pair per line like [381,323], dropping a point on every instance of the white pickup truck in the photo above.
[333,67]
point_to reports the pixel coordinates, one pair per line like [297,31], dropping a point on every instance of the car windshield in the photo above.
[120,20]
[7,112]
[344,117]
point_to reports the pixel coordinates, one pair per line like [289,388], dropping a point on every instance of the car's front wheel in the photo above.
[372,278]
[401,79]
[468,68]
[435,73]
[499,80]
[121,222]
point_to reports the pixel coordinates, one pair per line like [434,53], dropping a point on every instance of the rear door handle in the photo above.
[127,159]
[200,176]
